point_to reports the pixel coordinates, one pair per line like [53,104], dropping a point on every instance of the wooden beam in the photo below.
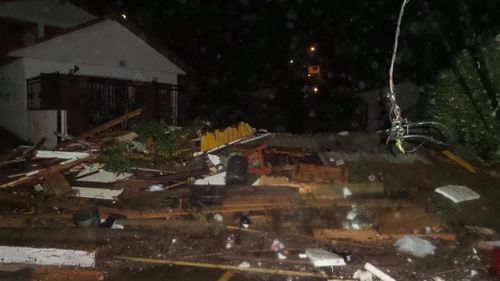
[44,172]
[227,267]
[103,127]
[368,235]
[226,276]
[47,273]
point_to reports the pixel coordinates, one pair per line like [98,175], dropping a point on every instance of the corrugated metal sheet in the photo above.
[350,147]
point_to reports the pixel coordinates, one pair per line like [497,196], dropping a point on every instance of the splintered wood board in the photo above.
[367,235]
[46,256]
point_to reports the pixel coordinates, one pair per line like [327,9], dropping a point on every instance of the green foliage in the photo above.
[164,140]
[467,111]
[198,215]
[218,228]
[159,138]
[115,159]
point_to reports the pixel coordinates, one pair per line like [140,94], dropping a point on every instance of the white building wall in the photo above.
[13,104]
[43,124]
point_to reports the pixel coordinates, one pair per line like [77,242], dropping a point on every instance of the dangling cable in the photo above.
[400,131]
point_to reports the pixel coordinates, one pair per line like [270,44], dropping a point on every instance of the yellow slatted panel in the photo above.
[218,138]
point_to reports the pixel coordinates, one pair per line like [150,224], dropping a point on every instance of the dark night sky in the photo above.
[235,47]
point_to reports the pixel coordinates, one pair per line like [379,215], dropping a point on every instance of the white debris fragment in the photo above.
[415,246]
[346,192]
[352,214]
[281,256]
[303,256]
[377,272]
[339,162]
[117,226]
[473,273]
[61,154]
[244,265]
[214,159]
[277,245]
[437,278]
[343,133]
[218,179]
[218,217]
[97,193]
[363,275]
[47,256]
[38,188]
[457,193]
[321,258]
[104,176]
[156,187]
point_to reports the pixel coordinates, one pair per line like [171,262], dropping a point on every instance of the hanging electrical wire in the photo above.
[402,132]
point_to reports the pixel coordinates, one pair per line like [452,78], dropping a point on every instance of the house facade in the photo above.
[86,75]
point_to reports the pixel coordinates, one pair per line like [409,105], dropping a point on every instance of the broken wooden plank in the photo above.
[109,124]
[46,256]
[336,190]
[408,220]
[103,176]
[227,267]
[97,193]
[226,276]
[56,183]
[319,174]
[44,172]
[49,273]
[367,235]
[459,161]
[66,155]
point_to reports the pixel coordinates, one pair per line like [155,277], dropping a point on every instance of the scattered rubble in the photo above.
[219,205]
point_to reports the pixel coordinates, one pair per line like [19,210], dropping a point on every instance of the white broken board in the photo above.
[97,193]
[321,258]
[61,154]
[218,179]
[104,177]
[457,193]
[46,256]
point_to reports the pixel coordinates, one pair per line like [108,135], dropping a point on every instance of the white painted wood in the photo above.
[377,272]
[97,193]
[218,179]
[104,177]
[60,154]
[46,256]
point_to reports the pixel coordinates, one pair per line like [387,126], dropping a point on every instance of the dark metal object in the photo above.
[237,170]
[87,217]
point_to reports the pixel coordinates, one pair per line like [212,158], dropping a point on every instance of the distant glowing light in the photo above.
[291,61]
[312,48]
[124,16]
[315,90]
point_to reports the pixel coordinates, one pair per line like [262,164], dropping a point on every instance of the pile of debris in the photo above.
[103,203]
